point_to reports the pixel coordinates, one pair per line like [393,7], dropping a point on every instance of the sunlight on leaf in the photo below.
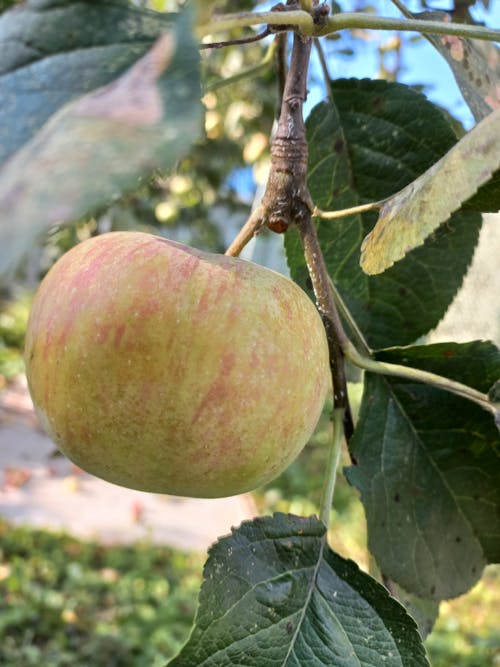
[274,594]
[411,215]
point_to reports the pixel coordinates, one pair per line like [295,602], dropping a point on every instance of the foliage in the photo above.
[465,635]
[465,164]
[66,602]
[426,464]
[448,444]
[373,139]
[13,320]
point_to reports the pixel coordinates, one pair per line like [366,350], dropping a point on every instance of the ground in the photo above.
[41,488]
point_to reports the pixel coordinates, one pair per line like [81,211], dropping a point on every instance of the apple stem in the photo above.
[251,227]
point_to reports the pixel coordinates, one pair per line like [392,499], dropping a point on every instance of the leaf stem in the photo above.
[418,375]
[324,68]
[346,20]
[331,215]
[404,10]
[332,464]
[349,319]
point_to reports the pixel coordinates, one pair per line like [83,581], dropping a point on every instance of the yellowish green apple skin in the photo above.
[166,369]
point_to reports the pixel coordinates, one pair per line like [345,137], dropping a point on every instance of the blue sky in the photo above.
[421,65]
[421,62]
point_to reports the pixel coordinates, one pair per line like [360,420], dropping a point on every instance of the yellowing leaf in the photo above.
[475,66]
[410,216]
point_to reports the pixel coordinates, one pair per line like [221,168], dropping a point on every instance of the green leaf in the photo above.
[99,146]
[275,595]
[424,612]
[475,65]
[407,218]
[427,466]
[487,198]
[494,392]
[379,137]
[57,50]
[494,396]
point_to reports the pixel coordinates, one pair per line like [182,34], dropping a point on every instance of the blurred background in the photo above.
[118,586]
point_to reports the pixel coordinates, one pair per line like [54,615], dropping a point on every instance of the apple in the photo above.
[167,369]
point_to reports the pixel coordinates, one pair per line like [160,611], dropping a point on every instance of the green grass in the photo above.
[64,602]
[13,321]
[467,633]
[72,603]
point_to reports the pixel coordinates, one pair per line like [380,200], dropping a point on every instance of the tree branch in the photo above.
[336,336]
[236,42]
[304,22]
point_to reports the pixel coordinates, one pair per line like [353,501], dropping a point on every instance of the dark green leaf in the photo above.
[494,392]
[56,50]
[487,198]
[275,595]
[99,146]
[378,138]
[427,466]
[424,612]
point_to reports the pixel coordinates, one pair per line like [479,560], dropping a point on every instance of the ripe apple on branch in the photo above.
[167,369]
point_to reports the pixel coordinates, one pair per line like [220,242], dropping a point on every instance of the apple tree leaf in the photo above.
[487,198]
[100,145]
[377,138]
[475,65]
[56,50]
[275,594]
[427,464]
[407,218]
[494,392]
[424,612]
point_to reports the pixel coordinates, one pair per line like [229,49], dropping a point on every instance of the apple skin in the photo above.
[166,369]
